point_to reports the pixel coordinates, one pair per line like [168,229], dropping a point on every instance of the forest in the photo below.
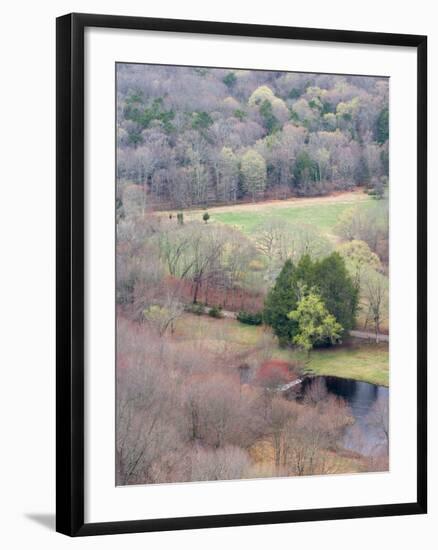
[234,135]
[252,274]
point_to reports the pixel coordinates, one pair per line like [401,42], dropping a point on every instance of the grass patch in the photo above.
[367,362]
[323,216]
[321,212]
[233,333]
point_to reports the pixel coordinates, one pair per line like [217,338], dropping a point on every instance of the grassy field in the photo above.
[362,361]
[321,212]
[322,216]
[221,331]
[359,361]
[366,362]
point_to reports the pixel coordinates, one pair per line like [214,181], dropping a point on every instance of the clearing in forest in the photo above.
[320,212]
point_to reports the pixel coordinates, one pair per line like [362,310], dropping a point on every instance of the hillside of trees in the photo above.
[220,305]
[245,135]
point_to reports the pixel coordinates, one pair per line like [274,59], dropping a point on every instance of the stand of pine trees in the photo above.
[328,278]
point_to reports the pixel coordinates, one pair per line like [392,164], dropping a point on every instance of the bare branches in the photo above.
[279,240]
[375,291]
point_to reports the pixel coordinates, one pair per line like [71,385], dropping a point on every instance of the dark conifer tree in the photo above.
[281,300]
[337,289]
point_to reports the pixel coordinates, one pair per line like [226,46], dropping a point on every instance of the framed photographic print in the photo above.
[241,274]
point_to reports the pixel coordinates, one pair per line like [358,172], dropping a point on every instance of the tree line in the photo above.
[190,136]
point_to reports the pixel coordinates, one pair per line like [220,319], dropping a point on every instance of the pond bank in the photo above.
[368,404]
[363,363]
[359,358]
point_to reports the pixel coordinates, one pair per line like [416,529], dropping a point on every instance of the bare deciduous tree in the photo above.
[163,316]
[215,464]
[375,292]
[378,418]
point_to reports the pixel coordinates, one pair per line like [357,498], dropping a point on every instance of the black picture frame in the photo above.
[70,273]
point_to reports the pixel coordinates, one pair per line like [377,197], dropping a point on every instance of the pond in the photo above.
[368,404]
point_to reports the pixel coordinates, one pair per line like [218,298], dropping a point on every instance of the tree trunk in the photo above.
[197,286]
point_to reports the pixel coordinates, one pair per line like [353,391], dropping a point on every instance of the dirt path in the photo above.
[355,333]
[341,197]
[369,335]
[229,314]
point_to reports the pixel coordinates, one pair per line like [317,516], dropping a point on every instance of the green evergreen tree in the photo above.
[305,272]
[201,120]
[305,169]
[280,301]
[270,121]
[230,80]
[328,278]
[337,289]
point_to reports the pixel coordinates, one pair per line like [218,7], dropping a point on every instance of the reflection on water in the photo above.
[369,407]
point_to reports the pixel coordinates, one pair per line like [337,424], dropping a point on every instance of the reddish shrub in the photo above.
[275,371]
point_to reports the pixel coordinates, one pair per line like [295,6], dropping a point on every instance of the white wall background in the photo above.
[27,305]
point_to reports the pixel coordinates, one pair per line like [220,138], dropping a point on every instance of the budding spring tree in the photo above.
[253,169]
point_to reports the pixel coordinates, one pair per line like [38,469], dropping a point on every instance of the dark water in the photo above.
[368,404]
